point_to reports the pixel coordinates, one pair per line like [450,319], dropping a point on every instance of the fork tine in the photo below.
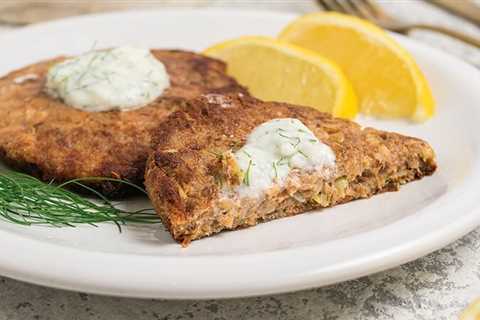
[362,10]
[346,7]
[331,5]
[350,7]
[322,5]
[372,7]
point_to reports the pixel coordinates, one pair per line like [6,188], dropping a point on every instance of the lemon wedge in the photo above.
[277,71]
[386,79]
[472,312]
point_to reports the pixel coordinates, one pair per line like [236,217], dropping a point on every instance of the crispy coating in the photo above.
[190,176]
[47,138]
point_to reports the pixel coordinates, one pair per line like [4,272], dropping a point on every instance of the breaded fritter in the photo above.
[191,175]
[49,139]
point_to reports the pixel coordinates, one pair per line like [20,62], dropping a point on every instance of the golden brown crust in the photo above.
[182,174]
[45,137]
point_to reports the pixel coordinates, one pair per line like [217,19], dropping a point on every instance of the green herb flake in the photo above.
[248,154]
[26,200]
[275,169]
[303,154]
[246,177]
[297,139]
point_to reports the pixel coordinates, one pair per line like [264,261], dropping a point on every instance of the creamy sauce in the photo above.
[121,78]
[276,147]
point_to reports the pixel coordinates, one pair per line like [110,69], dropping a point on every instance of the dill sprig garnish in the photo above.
[275,169]
[87,69]
[246,177]
[297,139]
[26,200]
[303,154]
[284,160]
[248,154]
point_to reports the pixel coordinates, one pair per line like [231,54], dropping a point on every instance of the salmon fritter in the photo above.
[44,137]
[192,176]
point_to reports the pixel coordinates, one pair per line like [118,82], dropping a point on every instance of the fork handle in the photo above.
[449,32]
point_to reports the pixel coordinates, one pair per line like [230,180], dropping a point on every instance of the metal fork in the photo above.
[368,10]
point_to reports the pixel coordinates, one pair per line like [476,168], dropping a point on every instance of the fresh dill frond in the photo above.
[303,154]
[283,161]
[25,200]
[297,139]
[248,154]
[275,169]
[246,177]
[83,86]
[87,69]
[287,160]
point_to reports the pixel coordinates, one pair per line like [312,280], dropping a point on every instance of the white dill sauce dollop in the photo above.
[122,78]
[276,147]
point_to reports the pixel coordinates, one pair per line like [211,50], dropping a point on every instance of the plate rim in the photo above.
[16,263]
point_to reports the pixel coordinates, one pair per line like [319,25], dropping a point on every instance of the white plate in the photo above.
[306,251]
